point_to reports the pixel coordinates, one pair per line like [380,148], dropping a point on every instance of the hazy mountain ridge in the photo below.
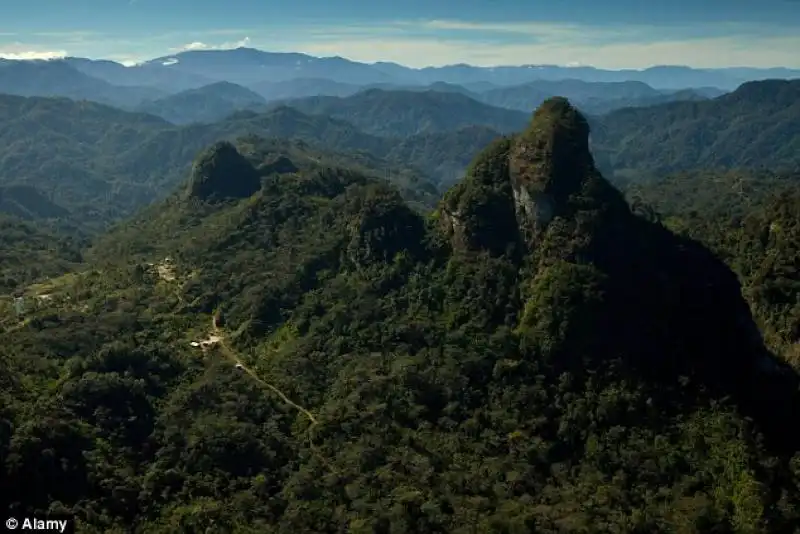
[59,79]
[210,103]
[285,66]
[407,113]
[156,76]
[590,97]
[262,70]
[183,84]
[754,126]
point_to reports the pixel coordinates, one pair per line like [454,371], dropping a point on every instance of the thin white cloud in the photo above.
[19,51]
[33,54]
[561,28]
[536,31]
[199,45]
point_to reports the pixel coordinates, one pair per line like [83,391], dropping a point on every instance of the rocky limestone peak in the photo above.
[222,173]
[550,161]
[517,186]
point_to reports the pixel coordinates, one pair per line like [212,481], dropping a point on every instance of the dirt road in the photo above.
[231,355]
[217,333]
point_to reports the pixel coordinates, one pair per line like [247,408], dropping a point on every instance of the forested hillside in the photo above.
[405,113]
[101,164]
[444,155]
[755,127]
[590,97]
[752,221]
[86,156]
[287,346]
[210,103]
[31,254]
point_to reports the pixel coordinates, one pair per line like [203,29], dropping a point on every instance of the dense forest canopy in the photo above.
[289,342]
[750,220]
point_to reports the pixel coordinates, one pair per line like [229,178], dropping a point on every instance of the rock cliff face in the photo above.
[549,162]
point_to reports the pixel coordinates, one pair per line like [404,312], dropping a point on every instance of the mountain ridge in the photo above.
[284,66]
[210,103]
[103,175]
[663,77]
[732,130]
[406,113]
[59,79]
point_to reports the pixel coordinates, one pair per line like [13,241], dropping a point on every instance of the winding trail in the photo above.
[231,355]
[235,359]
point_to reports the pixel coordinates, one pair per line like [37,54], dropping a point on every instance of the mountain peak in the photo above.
[550,160]
[221,173]
[556,130]
[558,111]
[517,186]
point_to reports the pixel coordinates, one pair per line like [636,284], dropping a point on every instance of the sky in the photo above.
[611,34]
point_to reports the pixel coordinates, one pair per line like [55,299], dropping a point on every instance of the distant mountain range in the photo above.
[320,96]
[277,76]
[202,88]
[60,78]
[247,66]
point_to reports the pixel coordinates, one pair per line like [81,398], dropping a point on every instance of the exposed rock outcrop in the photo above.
[545,172]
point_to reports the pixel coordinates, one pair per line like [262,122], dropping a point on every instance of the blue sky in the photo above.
[609,34]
